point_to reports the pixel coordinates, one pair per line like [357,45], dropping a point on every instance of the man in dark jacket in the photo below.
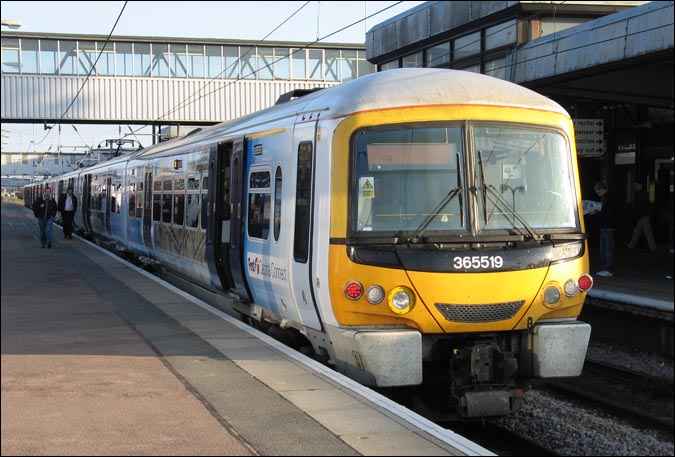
[45,209]
[607,229]
[67,208]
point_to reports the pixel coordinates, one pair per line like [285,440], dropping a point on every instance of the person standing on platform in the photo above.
[67,208]
[607,229]
[644,225]
[45,209]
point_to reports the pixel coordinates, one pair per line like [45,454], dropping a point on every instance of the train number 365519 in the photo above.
[476,262]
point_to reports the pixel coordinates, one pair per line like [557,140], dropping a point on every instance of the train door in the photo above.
[236,247]
[301,258]
[147,207]
[218,227]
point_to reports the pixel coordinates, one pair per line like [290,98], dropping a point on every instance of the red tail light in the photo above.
[585,282]
[353,290]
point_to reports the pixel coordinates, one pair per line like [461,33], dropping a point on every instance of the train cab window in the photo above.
[259,205]
[408,180]
[277,203]
[528,177]
[204,198]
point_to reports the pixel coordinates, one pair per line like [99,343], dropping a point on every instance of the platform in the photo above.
[641,278]
[101,358]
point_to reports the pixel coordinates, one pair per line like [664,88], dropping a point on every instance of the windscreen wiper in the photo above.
[447,199]
[482,187]
[499,199]
[452,193]
[507,206]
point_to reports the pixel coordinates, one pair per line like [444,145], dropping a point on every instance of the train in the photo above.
[416,229]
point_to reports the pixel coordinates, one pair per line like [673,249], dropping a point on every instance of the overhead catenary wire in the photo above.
[93,67]
[186,102]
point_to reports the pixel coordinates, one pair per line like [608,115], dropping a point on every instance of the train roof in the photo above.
[382,90]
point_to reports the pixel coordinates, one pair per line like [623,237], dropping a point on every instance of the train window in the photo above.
[167,185]
[303,199]
[139,205]
[179,201]
[528,178]
[277,203]
[204,200]
[192,210]
[192,214]
[166,208]
[156,207]
[179,208]
[116,200]
[259,215]
[193,183]
[157,185]
[259,205]
[408,178]
[132,204]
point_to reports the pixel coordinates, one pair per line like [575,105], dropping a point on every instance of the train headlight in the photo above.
[566,251]
[571,288]
[375,295]
[551,295]
[401,300]
[353,290]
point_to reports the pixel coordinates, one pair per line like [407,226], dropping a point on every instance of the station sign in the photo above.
[590,137]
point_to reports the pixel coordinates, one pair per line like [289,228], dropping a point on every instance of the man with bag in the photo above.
[45,209]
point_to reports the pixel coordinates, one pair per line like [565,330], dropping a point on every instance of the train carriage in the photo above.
[414,227]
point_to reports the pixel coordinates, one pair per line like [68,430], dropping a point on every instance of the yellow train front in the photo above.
[457,258]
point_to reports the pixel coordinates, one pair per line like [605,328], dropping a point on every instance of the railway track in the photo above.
[640,398]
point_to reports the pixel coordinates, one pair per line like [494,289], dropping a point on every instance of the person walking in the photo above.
[607,229]
[67,208]
[45,209]
[644,225]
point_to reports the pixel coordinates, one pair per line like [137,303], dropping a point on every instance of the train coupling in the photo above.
[484,403]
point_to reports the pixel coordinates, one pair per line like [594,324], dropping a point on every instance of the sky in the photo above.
[252,20]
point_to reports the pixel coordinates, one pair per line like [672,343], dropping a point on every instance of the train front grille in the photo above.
[487,312]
